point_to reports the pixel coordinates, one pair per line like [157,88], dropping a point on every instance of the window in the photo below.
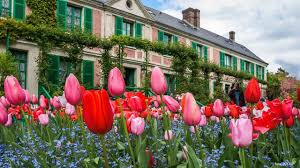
[228,60]
[226,89]
[65,68]
[21,58]
[260,72]
[129,4]
[6,6]
[171,81]
[127,28]
[247,67]
[129,77]
[73,18]
[167,38]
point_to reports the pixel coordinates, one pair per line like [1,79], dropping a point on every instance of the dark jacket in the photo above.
[237,97]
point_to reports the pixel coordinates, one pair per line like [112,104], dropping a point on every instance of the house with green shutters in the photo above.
[105,18]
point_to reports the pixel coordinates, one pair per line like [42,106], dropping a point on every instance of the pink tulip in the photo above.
[171,103]
[155,103]
[34,99]
[192,129]
[287,106]
[191,111]
[43,119]
[203,121]
[168,135]
[27,96]
[241,132]
[295,111]
[158,81]
[13,91]
[137,125]
[3,116]
[55,102]
[116,83]
[218,108]
[135,103]
[9,121]
[70,109]
[214,118]
[43,102]
[4,102]
[73,90]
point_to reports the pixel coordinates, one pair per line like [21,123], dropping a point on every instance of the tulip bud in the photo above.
[287,107]
[241,132]
[4,102]
[116,83]
[9,121]
[171,103]
[3,116]
[168,135]
[137,125]
[34,99]
[218,108]
[191,111]
[289,122]
[55,102]
[295,111]
[73,90]
[70,109]
[27,96]
[13,91]
[43,119]
[203,121]
[158,81]
[44,102]
[252,92]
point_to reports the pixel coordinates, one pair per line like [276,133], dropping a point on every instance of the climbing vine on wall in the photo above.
[42,12]
[190,71]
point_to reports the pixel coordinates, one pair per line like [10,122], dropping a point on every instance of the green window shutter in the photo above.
[160,36]
[19,9]
[222,59]
[252,68]
[88,20]
[194,45]
[119,25]
[61,13]
[263,73]
[257,71]
[205,53]
[234,61]
[53,70]
[0,7]
[175,39]
[138,30]
[88,74]
[242,65]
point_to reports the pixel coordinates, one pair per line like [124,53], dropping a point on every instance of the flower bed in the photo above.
[87,128]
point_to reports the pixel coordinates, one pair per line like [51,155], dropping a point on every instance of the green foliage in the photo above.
[8,67]
[191,72]
[273,86]
[43,12]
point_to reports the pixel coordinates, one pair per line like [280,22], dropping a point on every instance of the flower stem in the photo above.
[102,139]
[123,122]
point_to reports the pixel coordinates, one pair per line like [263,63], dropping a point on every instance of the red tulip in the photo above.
[116,83]
[13,91]
[234,111]
[73,90]
[289,122]
[218,108]
[241,132]
[191,111]
[287,107]
[208,111]
[171,103]
[158,81]
[252,92]
[151,162]
[97,111]
[136,104]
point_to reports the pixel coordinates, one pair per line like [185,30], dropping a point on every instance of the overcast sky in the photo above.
[269,28]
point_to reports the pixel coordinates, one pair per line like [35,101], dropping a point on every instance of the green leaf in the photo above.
[193,161]
[96,160]
[142,157]
[120,146]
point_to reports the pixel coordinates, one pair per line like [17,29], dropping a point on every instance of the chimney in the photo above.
[232,35]
[192,16]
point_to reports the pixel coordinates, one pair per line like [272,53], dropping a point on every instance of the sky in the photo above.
[269,28]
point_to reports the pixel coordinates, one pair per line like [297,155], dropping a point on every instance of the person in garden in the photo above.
[236,95]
